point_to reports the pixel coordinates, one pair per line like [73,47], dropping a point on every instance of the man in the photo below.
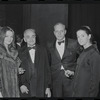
[62,54]
[35,81]
[18,42]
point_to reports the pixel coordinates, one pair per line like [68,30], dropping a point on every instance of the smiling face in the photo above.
[83,38]
[8,38]
[59,32]
[30,37]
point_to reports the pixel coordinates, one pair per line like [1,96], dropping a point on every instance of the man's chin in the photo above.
[81,44]
[60,39]
[32,44]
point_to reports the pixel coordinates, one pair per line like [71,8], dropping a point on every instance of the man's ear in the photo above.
[65,31]
[89,36]
[24,39]
[54,32]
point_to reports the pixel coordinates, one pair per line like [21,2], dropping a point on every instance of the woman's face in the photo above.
[83,38]
[8,38]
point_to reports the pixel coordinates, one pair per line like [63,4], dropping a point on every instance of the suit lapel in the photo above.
[28,57]
[65,49]
[36,60]
[29,61]
[37,56]
[56,51]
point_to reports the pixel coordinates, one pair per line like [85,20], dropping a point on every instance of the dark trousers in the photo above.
[62,87]
[32,84]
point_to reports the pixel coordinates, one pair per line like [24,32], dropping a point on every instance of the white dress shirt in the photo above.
[61,49]
[32,54]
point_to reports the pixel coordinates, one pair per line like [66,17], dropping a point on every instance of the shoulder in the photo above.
[2,49]
[72,41]
[22,49]
[22,52]
[14,53]
[94,55]
[40,48]
[51,44]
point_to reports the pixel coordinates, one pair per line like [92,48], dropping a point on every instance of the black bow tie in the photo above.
[29,48]
[60,42]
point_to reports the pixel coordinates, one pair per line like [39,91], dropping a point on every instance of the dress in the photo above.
[8,73]
[87,74]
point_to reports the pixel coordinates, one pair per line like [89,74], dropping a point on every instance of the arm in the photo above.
[0,78]
[47,76]
[95,73]
[75,50]
[22,78]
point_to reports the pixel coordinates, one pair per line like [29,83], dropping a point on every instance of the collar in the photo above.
[18,44]
[89,48]
[61,40]
[31,46]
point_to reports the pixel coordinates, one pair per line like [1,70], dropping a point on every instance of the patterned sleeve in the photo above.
[0,74]
[95,69]
[18,61]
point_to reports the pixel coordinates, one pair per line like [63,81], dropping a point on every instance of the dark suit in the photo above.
[18,47]
[37,76]
[61,85]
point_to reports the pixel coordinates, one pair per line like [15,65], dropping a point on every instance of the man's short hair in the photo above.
[59,24]
[32,30]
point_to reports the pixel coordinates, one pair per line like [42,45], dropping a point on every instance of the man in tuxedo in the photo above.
[18,42]
[62,56]
[35,82]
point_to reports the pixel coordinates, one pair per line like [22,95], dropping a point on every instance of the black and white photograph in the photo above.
[49,50]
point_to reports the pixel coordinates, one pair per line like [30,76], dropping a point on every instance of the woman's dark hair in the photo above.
[3,32]
[88,31]
[18,38]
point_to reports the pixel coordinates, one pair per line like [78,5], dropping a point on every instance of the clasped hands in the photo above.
[69,73]
[21,70]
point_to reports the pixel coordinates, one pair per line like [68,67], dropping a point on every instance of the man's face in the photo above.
[59,32]
[30,38]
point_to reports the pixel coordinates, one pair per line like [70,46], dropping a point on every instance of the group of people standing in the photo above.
[64,68]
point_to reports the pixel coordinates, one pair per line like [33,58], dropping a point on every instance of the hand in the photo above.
[24,89]
[21,70]
[48,92]
[69,73]
[1,95]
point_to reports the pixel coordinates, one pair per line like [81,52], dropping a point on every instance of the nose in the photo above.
[9,39]
[32,39]
[80,40]
[59,32]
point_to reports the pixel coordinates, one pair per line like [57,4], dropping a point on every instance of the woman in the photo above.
[9,63]
[87,77]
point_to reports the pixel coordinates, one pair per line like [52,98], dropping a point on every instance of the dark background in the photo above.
[43,17]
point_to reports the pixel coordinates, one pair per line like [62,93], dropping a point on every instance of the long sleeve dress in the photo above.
[87,74]
[9,73]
